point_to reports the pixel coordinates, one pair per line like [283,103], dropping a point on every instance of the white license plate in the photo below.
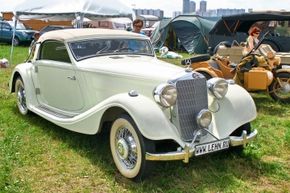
[212,147]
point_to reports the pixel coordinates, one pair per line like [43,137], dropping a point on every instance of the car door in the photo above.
[55,78]
[7,32]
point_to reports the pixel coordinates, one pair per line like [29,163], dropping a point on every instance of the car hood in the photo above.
[141,67]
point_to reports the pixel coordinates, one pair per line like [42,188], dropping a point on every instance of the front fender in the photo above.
[147,114]
[236,109]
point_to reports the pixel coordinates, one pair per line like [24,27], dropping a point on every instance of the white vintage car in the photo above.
[86,79]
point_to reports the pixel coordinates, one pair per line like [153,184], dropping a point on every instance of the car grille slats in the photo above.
[191,99]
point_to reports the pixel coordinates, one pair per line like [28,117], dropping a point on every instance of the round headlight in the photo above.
[165,95]
[204,118]
[218,87]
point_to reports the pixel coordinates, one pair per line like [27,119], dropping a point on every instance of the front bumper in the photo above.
[189,152]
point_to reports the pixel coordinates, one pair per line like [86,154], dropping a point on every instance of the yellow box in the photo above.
[256,80]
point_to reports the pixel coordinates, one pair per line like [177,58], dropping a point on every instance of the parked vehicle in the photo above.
[264,72]
[22,34]
[86,79]
[234,28]
[52,28]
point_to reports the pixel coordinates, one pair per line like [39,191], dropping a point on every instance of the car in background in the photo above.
[97,80]
[52,28]
[22,34]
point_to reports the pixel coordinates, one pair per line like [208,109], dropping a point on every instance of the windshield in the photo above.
[18,26]
[99,47]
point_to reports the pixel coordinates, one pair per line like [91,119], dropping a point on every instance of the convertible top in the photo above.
[74,34]
[228,25]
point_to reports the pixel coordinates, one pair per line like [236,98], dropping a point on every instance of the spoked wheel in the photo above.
[21,96]
[128,148]
[279,90]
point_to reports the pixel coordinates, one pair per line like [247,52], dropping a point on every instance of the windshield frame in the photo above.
[152,53]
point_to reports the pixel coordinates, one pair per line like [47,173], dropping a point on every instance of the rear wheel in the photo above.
[279,90]
[128,148]
[21,96]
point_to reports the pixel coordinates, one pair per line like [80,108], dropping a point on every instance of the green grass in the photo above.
[38,156]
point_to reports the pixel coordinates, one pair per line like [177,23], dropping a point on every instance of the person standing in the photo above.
[137,26]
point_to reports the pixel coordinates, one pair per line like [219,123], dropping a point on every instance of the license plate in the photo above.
[212,147]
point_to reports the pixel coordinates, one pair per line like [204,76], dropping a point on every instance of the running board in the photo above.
[56,114]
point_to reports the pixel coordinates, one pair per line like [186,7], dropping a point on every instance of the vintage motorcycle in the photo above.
[269,74]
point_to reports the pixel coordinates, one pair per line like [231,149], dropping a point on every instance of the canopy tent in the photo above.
[61,10]
[189,31]
[56,10]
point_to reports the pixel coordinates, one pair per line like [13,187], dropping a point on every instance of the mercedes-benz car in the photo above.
[93,80]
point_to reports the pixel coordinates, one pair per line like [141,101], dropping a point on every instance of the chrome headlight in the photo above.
[165,95]
[218,87]
[204,118]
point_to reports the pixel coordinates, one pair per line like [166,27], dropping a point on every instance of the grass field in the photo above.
[38,156]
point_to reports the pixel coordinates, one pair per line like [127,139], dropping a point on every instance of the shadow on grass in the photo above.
[221,171]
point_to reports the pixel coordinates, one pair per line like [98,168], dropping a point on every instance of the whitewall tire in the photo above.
[128,148]
[21,96]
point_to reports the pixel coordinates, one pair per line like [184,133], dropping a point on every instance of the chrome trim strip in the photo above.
[188,152]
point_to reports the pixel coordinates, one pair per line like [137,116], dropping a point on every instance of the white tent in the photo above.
[56,10]
[60,10]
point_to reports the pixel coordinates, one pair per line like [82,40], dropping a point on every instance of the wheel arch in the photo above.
[149,117]
[13,80]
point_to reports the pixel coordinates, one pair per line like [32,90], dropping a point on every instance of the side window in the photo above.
[54,50]
[6,27]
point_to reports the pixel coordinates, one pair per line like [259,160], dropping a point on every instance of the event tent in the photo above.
[188,31]
[56,10]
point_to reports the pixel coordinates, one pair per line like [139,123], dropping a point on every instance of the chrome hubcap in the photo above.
[126,148]
[285,87]
[123,148]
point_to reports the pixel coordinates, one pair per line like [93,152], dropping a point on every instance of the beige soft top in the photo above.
[83,33]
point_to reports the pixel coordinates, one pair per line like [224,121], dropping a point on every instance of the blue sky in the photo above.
[176,5]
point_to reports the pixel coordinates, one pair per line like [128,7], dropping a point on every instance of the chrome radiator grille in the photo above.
[191,99]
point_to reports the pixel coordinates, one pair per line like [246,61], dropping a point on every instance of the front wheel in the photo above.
[279,89]
[21,96]
[128,148]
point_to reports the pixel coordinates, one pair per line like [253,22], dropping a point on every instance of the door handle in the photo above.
[72,77]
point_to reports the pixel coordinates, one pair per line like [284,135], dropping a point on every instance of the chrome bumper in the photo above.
[189,152]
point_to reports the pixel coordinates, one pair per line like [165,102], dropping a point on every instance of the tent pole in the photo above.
[13,36]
